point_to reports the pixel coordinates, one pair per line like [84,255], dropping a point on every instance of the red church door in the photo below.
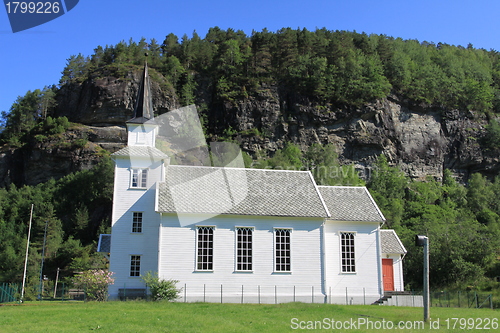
[388,273]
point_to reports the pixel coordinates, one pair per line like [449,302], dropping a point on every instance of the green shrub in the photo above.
[80,143]
[40,137]
[161,289]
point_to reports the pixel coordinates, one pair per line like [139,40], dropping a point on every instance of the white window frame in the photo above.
[347,253]
[206,264]
[142,178]
[137,219]
[279,258]
[135,265]
[244,255]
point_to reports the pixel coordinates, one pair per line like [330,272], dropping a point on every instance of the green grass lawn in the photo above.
[205,317]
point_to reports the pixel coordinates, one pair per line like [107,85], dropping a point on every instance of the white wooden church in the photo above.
[242,235]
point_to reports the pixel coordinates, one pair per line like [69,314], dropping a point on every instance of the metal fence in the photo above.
[464,299]
[265,294]
[229,293]
[275,294]
[9,292]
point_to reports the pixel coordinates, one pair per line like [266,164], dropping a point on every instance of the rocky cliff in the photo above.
[79,148]
[421,140]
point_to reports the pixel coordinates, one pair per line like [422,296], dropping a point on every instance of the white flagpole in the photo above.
[57,278]
[26,259]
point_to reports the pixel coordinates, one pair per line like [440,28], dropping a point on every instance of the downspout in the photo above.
[323,263]
[379,262]
[159,246]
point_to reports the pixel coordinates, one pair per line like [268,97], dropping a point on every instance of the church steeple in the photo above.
[142,128]
[143,110]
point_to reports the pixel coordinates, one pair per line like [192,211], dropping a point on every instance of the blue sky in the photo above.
[34,58]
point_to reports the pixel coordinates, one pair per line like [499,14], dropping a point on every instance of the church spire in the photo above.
[143,110]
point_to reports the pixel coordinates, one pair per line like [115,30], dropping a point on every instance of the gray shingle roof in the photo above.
[140,151]
[391,242]
[350,203]
[214,190]
[104,244]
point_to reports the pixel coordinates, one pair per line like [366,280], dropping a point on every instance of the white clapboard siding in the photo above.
[124,243]
[178,254]
[142,134]
[365,281]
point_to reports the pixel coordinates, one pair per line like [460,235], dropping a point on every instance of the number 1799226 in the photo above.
[23,7]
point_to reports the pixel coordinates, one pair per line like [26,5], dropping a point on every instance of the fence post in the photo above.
[491,301]
[258,292]
[294,293]
[458,294]
[241,294]
[312,291]
[185,292]
[346,297]
[204,292]
[364,296]
[275,295]
[221,293]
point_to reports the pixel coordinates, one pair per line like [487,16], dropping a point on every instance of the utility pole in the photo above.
[424,241]
[43,259]
[26,258]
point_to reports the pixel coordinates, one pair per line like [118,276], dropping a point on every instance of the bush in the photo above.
[161,289]
[80,143]
[95,282]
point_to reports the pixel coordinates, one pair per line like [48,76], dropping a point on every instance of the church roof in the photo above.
[140,151]
[239,191]
[143,110]
[350,203]
[390,242]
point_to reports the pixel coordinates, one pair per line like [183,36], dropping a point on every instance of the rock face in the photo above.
[107,101]
[77,149]
[422,141]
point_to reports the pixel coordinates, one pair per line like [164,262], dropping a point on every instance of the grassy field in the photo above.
[205,317]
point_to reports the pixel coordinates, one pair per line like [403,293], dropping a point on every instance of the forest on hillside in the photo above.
[327,67]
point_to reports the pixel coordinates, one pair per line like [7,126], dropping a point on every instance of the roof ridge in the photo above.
[341,186]
[238,168]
